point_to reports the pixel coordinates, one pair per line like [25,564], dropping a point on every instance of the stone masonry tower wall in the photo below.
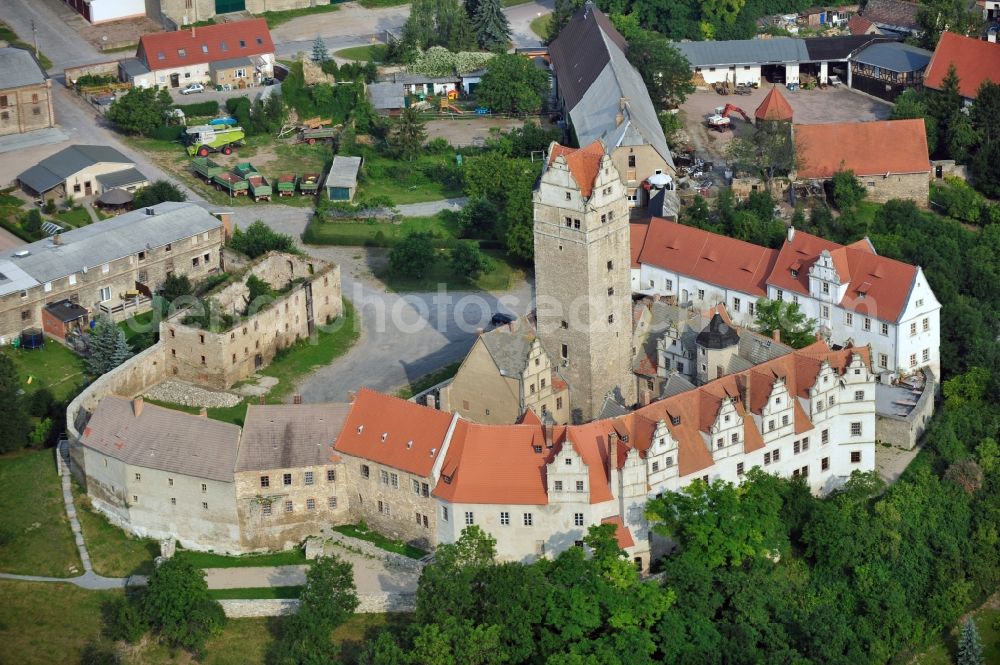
[582,277]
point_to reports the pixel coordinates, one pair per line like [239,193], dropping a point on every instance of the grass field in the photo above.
[380,234]
[54,367]
[276,18]
[500,276]
[137,325]
[540,26]
[289,366]
[406,182]
[35,537]
[254,593]
[295,557]
[428,381]
[371,4]
[75,217]
[389,545]
[945,650]
[375,52]
[113,552]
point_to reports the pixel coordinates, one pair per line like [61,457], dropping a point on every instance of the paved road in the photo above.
[63,46]
[521,16]
[432,207]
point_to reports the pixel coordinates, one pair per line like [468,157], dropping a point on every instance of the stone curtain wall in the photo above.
[907,431]
[370,603]
[391,559]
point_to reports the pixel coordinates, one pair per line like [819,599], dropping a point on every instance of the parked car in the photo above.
[192,88]
[501,319]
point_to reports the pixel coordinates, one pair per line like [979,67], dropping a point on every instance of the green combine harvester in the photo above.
[203,140]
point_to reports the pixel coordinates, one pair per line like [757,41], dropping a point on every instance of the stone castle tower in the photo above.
[582,275]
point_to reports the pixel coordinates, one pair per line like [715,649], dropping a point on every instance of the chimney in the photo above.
[296,399]
[351,395]
[150,212]
[612,443]
[791,233]
[57,239]
[547,429]
[137,404]
[192,32]
[776,335]
[430,400]
[479,332]
[203,412]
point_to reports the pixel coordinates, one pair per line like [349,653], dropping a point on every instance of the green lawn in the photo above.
[944,650]
[254,593]
[54,367]
[500,276]
[289,366]
[35,537]
[136,329]
[377,539]
[380,234]
[371,4]
[428,381]
[276,18]
[295,557]
[406,182]
[113,552]
[540,26]
[375,52]
[511,3]
[75,217]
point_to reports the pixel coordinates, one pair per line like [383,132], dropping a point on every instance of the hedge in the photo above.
[209,108]
[168,132]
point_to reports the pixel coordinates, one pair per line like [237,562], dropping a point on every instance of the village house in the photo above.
[103,11]
[604,99]
[240,54]
[179,13]
[902,172]
[25,93]
[109,268]
[975,61]
[80,171]
[856,296]
[305,293]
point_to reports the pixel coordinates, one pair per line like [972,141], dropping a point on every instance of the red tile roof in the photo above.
[885,282]
[211,43]
[706,256]
[862,147]
[774,107]
[975,61]
[393,432]
[622,534]
[583,163]
[637,237]
[859,25]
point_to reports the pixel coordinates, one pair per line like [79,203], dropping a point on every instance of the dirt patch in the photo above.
[467,131]
[119,34]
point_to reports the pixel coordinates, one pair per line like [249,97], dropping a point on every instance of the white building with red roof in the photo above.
[856,296]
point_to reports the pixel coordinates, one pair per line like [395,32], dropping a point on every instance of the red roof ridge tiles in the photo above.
[774,107]
[975,61]
[210,43]
[584,163]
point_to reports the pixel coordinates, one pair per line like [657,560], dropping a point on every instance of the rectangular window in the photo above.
[826,287]
[849,318]
[288,506]
[859,395]
[775,455]
[138,476]
[332,502]
[736,304]
[444,513]
[528,519]
[265,509]
[469,518]
[364,471]
[331,475]
[701,294]
[204,488]
[883,360]
[287,479]
[384,475]
[856,457]
[739,468]
[927,355]
[885,329]
[805,443]
[867,324]
[824,464]
[579,486]
[656,467]
[265,481]
[855,429]
[416,487]
[780,295]
[631,161]
[564,352]
[750,308]
[784,420]
[927,324]
[394,480]
[557,486]
[913,360]
[310,504]
[796,447]
[826,312]
[170,482]
[577,519]
[417,516]
[308,477]
[569,222]
[767,458]
[824,437]
[204,505]
[611,265]
[424,490]
[913,329]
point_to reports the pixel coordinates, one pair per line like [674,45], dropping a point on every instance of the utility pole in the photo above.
[34,37]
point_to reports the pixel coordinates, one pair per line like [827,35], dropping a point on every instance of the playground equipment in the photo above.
[446,106]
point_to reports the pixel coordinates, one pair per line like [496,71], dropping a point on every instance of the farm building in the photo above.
[885,70]
[25,93]
[82,170]
[342,181]
[975,61]
[103,11]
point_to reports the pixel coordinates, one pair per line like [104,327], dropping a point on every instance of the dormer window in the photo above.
[223,46]
[385,435]
[675,420]
[260,41]
[537,449]
[361,428]
[181,53]
[243,43]
[160,55]
[795,273]
[204,48]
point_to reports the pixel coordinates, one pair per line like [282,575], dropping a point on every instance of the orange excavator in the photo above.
[720,122]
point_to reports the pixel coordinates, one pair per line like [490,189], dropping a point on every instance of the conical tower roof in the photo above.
[774,107]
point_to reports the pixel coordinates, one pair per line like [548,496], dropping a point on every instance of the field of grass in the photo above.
[500,276]
[137,325]
[276,18]
[540,26]
[372,4]
[380,234]
[511,3]
[75,217]
[35,537]
[9,36]
[406,182]
[945,650]
[295,557]
[377,539]
[254,593]
[428,381]
[375,52]
[54,367]
[113,552]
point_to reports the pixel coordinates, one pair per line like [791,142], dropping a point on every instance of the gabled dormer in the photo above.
[778,414]
[726,436]
[661,456]
[824,392]
[568,476]
[825,282]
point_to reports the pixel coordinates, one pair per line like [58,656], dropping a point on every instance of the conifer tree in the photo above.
[107,348]
[970,648]
[15,426]
[320,52]
[491,26]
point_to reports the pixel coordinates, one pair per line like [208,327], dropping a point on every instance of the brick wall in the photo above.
[26,109]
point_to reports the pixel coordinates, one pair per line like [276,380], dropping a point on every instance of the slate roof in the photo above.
[164,439]
[386,95]
[66,311]
[285,436]
[210,43]
[230,63]
[55,169]
[509,347]
[593,76]
[676,384]
[13,278]
[825,149]
[744,51]
[343,172]
[892,14]
[121,178]
[18,67]
[839,48]
[975,61]
[895,56]
[92,246]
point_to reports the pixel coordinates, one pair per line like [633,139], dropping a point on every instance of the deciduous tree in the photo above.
[664,69]
[768,152]
[140,110]
[786,317]
[259,239]
[408,134]
[413,255]
[512,84]
[159,191]
[845,190]
[467,261]
[178,606]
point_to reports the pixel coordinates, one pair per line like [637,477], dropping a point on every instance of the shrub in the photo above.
[438,146]
[958,199]
[168,132]
[33,221]
[41,402]
[259,239]
[208,108]
[123,620]
[50,206]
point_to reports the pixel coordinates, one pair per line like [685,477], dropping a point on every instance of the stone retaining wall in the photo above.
[370,603]
[368,549]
